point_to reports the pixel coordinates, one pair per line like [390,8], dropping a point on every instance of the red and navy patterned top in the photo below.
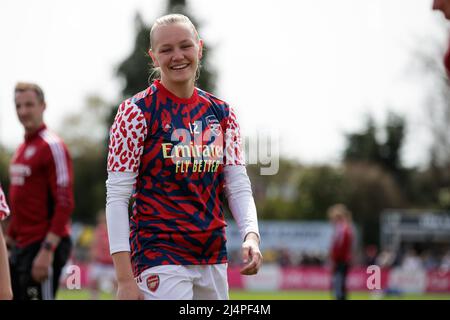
[178,148]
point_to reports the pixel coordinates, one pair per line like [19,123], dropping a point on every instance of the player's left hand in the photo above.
[41,265]
[251,255]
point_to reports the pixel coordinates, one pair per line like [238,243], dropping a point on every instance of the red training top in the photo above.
[41,191]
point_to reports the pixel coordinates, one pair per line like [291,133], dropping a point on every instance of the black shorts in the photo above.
[21,261]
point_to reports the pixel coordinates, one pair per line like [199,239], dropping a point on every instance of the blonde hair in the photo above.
[339,211]
[172,19]
[25,86]
[165,21]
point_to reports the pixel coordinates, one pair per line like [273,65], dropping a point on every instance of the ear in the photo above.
[200,49]
[152,55]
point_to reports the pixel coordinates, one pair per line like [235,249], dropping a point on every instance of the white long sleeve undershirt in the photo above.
[238,191]
[119,187]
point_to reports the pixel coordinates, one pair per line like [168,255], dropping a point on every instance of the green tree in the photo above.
[318,189]
[368,189]
[375,178]
[275,194]
[436,105]
[364,145]
[136,67]
[390,150]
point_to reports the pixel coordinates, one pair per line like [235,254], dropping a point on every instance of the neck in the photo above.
[30,131]
[182,90]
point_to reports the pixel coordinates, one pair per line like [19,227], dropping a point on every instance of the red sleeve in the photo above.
[4,210]
[60,175]
[126,141]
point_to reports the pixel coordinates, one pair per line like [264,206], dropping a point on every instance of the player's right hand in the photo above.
[129,290]
[251,255]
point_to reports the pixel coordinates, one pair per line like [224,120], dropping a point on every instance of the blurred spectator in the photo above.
[270,256]
[445,262]
[386,258]
[102,274]
[370,255]
[84,243]
[341,248]
[312,259]
[411,261]
[284,258]
[429,260]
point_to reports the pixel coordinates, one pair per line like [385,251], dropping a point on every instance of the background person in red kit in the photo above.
[444,7]
[41,202]
[341,249]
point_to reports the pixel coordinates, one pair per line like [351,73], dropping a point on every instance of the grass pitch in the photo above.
[273,295]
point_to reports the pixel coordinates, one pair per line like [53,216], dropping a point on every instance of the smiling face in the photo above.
[176,50]
[30,110]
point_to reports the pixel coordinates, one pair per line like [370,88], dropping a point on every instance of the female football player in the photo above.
[179,149]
